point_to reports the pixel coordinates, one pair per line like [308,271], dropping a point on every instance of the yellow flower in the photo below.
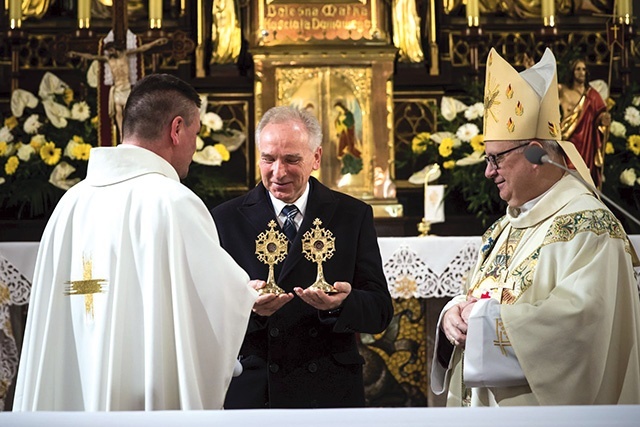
[11,122]
[477,142]
[633,144]
[446,147]
[419,142]
[449,164]
[204,132]
[95,121]
[3,147]
[220,148]
[608,149]
[68,96]
[37,142]
[81,151]
[12,165]
[50,154]
[78,139]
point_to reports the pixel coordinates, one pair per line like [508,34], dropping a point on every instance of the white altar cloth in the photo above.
[415,267]
[427,267]
[550,416]
[22,255]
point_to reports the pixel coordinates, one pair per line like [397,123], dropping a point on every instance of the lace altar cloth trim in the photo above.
[14,290]
[409,276]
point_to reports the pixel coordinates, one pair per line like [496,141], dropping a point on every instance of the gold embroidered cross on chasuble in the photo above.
[88,286]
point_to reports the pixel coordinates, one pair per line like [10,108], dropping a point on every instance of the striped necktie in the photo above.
[289,227]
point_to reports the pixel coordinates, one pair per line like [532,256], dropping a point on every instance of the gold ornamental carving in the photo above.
[271,248]
[318,245]
[286,21]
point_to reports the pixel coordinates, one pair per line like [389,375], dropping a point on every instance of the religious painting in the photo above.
[338,97]
[346,134]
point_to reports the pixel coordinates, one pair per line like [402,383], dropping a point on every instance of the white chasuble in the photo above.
[135,306]
[567,328]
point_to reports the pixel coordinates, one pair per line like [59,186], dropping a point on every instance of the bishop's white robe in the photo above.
[564,327]
[134,306]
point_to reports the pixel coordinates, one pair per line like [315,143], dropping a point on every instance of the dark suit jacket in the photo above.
[300,357]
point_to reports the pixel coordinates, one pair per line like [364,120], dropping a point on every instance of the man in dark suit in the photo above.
[300,347]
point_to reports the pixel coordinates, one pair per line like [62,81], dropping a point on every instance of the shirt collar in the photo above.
[301,203]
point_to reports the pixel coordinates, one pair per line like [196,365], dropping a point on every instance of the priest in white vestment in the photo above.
[551,312]
[135,306]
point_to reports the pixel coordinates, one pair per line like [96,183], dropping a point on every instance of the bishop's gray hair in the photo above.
[553,149]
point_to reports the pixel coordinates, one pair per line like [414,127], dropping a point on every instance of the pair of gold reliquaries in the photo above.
[318,245]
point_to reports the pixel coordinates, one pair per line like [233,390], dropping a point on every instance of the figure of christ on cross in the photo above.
[118,60]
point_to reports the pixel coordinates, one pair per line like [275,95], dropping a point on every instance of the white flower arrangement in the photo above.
[454,156]
[216,165]
[628,177]
[467,131]
[215,142]
[474,112]
[622,156]
[44,147]
[632,116]
[618,129]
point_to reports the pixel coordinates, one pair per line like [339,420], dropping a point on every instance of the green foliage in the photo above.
[351,164]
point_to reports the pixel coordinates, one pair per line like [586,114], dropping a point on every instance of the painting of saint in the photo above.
[345,125]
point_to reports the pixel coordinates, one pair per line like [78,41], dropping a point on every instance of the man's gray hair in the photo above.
[551,146]
[285,114]
[553,149]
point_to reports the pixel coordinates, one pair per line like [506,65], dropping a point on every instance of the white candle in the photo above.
[434,203]
[433,196]
[15,14]
[473,13]
[432,23]
[624,10]
[84,13]
[155,14]
[548,12]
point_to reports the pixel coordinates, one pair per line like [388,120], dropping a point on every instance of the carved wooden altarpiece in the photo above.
[334,58]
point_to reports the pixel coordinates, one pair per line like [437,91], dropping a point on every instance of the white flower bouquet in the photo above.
[622,156]
[218,157]
[44,147]
[457,148]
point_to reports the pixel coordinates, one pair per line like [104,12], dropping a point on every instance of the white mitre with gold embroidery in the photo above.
[520,106]
[525,105]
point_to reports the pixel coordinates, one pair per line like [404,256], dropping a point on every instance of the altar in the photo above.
[584,416]
[423,273]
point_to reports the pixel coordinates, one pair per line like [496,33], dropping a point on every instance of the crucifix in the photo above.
[120,65]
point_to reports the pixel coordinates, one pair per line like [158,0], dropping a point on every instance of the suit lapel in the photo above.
[257,209]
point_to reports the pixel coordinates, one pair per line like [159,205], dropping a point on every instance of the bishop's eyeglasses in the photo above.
[492,159]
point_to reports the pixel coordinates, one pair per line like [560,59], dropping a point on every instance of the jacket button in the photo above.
[313,332]
[274,332]
[312,367]
[274,367]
